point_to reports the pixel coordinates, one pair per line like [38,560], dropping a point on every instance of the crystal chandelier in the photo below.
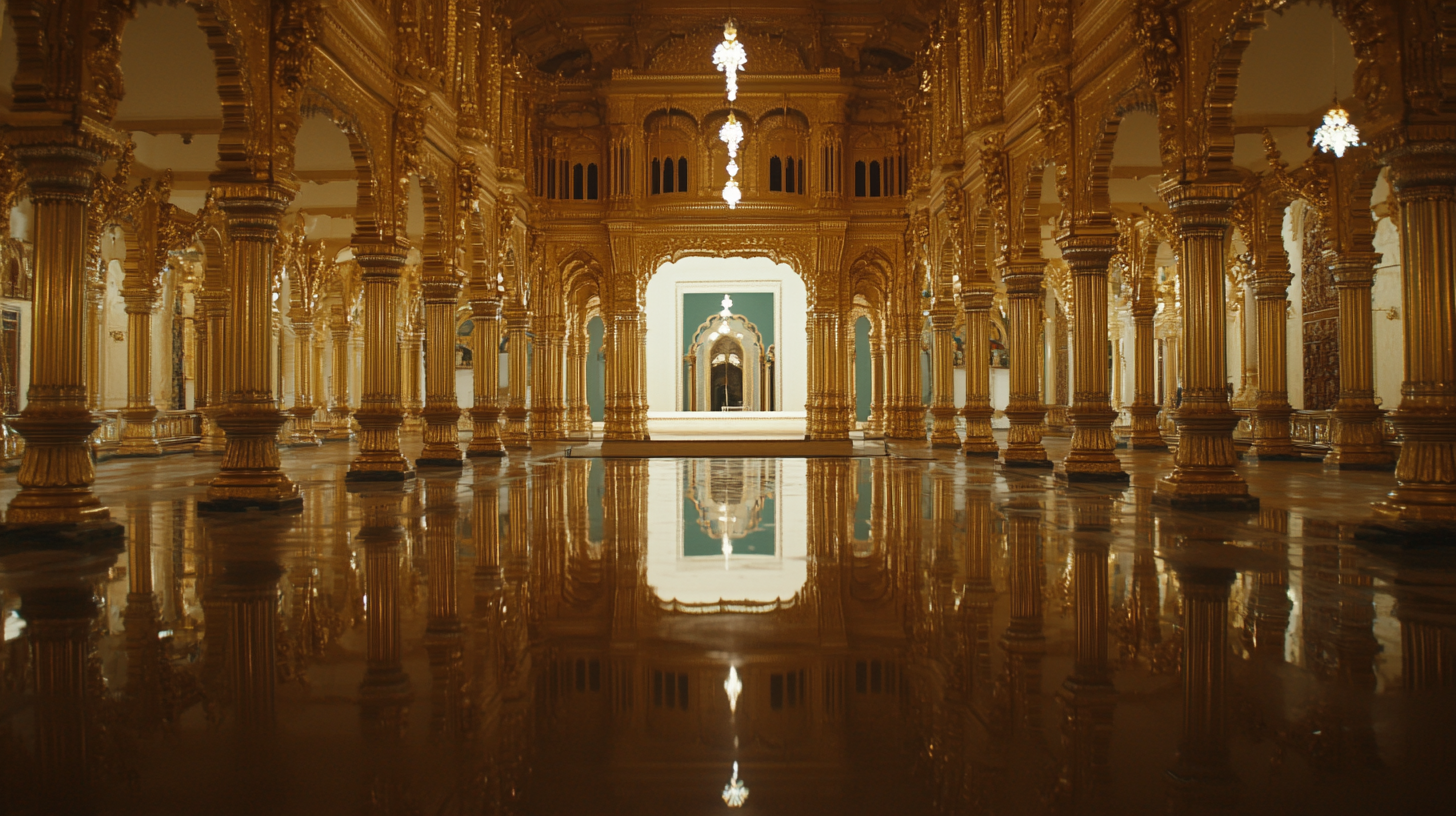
[729,56]
[734,687]
[735,793]
[1336,134]
[732,135]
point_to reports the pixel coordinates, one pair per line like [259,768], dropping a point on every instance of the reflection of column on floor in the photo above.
[830,526]
[978,593]
[444,634]
[1202,778]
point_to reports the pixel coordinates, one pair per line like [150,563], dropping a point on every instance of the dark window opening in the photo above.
[551,179]
[668,181]
[578,183]
[775,175]
[861,677]
[789,186]
[859,179]
[874,179]
[656,176]
[876,677]
[682,175]
[591,182]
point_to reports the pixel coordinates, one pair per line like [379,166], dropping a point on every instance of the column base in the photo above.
[484,454]
[243,505]
[100,537]
[391,475]
[980,447]
[1254,456]
[1337,460]
[137,449]
[1134,443]
[1076,474]
[1182,494]
[950,444]
[439,462]
[1024,463]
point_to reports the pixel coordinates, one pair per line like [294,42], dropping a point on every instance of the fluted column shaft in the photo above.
[250,475]
[1271,408]
[1423,176]
[96,316]
[138,436]
[1357,438]
[56,471]
[976,300]
[1025,409]
[904,406]
[829,403]
[942,377]
[303,407]
[212,359]
[875,423]
[409,375]
[548,411]
[1091,457]
[1144,409]
[380,414]
[518,410]
[485,437]
[626,416]
[339,411]
[1204,474]
[578,413]
[442,407]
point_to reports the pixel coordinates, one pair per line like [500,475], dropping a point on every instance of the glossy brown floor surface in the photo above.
[558,636]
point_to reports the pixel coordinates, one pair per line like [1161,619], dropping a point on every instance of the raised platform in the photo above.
[727,424]
[724,449]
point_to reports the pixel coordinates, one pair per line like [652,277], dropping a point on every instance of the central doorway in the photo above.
[727,348]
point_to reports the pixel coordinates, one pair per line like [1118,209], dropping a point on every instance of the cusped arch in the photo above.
[364,146]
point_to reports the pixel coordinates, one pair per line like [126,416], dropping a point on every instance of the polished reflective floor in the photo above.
[903,634]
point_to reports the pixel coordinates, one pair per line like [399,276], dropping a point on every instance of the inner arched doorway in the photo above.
[765,330]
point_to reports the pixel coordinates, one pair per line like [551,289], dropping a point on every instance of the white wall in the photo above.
[664,322]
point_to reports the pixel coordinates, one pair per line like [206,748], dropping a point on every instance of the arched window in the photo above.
[591,182]
[775,175]
[682,174]
[874,179]
[578,183]
[789,175]
[802,190]
[667,177]
[550,179]
[656,176]
[859,179]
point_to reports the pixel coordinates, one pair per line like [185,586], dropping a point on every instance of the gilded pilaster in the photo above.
[1144,409]
[1271,409]
[138,433]
[410,351]
[214,441]
[548,410]
[55,471]
[1092,456]
[518,411]
[578,413]
[1025,409]
[339,411]
[875,423]
[485,437]
[976,299]
[626,416]
[303,406]
[829,403]
[942,376]
[250,476]
[380,414]
[1204,474]
[904,408]
[1357,437]
[1423,178]
[442,407]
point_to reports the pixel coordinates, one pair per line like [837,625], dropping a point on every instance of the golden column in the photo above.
[1091,458]
[442,408]
[1025,409]
[1204,474]
[408,359]
[942,375]
[1144,409]
[303,407]
[96,317]
[578,413]
[250,477]
[139,432]
[215,301]
[380,414]
[1423,177]
[1357,437]
[976,299]
[1271,407]
[830,409]
[626,342]
[339,410]
[875,423]
[904,408]
[518,412]
[548,411]
[55,471]
[485,307]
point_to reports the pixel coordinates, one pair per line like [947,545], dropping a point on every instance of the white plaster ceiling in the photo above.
[1287,66]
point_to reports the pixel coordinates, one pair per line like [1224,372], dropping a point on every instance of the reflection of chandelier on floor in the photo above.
[735,793]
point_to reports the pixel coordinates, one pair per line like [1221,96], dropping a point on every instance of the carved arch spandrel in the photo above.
[366,144]
[1094,200]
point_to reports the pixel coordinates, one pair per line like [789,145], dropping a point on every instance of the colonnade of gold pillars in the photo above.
[1357,438]
[139,433]
[830,407]
[1271,408]
[518,413]
[548,410]
[942,376]
[339,412]
[303,406]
